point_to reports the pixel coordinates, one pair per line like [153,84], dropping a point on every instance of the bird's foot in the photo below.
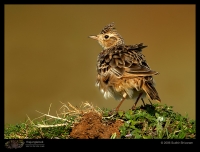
[133,107]
[113,112]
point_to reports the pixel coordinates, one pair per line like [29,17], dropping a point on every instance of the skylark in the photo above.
[122,71]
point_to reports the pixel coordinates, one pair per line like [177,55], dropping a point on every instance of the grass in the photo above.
[145,122]
[156,122]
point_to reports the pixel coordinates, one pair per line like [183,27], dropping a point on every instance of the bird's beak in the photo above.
[93,37]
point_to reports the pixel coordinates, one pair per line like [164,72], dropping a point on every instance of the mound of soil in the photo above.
[91,126]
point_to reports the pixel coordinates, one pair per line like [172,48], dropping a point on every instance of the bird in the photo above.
[122,70]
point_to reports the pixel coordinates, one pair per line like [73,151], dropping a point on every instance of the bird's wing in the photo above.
[124,61]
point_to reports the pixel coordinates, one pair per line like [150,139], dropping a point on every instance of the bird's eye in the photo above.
[106,36]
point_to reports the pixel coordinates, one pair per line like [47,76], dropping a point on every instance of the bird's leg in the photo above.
[134,106]
[143,101]
[116,109]
[124,97]
[150,101]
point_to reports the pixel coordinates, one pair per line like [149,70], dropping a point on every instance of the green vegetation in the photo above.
[156,122]
[145,122]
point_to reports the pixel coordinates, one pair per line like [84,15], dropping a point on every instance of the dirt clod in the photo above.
[91,126]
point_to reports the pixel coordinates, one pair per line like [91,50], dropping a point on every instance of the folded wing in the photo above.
[124,61]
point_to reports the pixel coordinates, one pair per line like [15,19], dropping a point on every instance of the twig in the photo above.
[48,126]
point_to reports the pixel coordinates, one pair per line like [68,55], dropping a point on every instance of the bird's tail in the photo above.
[151,91]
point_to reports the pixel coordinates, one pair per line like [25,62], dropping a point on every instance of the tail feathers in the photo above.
[151,91]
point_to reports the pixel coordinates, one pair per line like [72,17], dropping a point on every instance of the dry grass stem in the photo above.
[67,110]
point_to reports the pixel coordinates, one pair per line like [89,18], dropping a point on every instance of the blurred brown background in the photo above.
[49,57]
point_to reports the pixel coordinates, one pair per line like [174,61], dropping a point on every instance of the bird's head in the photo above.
[108,37]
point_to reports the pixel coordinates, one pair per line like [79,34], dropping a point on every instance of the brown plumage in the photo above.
[122,71]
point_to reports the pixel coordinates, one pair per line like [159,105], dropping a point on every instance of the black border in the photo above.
[107,144]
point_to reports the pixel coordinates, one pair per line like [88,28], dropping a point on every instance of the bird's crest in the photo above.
[108,28]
